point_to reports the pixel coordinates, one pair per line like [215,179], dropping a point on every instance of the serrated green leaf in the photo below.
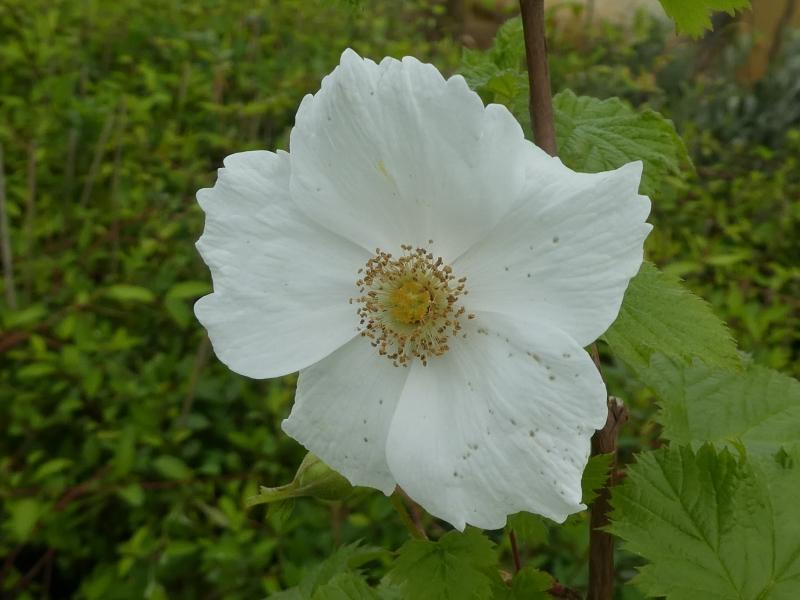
[712,527]
[505,56]
[531,584]
[694,16]
[530,529]
[346,586]
[594,476]
[599,135]
[498,74]
[659,315]
[451,569]
[347,557]
[757,408]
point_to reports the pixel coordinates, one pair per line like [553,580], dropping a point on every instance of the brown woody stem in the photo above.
[601,543]
[541,98]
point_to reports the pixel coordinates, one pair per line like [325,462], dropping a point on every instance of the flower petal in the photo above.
[566,253]
[281,281]
[392,153]
[342,411]
[499,424]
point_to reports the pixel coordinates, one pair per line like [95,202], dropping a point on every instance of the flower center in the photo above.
[408,304]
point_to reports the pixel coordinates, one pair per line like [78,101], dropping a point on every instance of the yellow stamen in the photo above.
[408,304]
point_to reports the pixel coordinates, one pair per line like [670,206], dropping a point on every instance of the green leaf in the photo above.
[347,557]
[50,468]
[279,512]
[659,315]
[499,74]
[694,16]
[24,514]
[172,467]
[345,586]
[594,476]
[25,317]
[451,569]
[757,408]
[505,56]
[712,527]
[599,135]
[531,584]
[129,293]
[132,493]
[530,529]
[189,289]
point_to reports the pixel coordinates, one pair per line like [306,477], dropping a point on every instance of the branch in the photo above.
[5,242]
[601,543]
[541,98]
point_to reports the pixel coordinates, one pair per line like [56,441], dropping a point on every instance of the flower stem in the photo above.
[541,100]
[400,507]
[601,543]
[512,537]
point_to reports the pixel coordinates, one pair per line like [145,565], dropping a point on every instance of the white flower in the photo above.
[455,367]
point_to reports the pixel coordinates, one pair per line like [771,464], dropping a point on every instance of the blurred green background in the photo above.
[127,449]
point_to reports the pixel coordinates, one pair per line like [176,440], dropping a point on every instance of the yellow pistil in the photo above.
[408,304]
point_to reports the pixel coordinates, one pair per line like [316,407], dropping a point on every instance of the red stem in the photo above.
[512,537]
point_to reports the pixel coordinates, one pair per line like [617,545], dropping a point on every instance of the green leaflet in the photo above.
[346,586]
[712,526]
[593,135]
[694,16]
[659,315]
[529,528]
[757,408]
[454,568]
[528,584]
[594,476]
[326,577]
[599,135]
[506,55]
[498,74]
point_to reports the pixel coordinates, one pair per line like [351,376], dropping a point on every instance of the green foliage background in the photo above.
[127,450]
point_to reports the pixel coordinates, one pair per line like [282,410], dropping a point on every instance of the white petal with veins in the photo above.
[498,425]
[343,409]
[281,282]
[392,153]
[565,254]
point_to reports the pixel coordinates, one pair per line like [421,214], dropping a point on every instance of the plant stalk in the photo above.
[399,506]
[5,242]
[601,543]
[512,538]
[541,97]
